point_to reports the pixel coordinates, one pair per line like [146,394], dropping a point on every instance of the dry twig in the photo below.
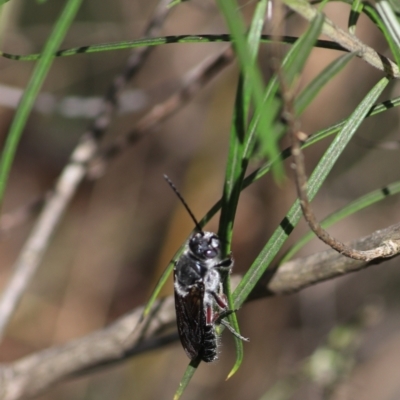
[345,39]
[195,80]
[384,249]
[130,335]
[56,203]
[192,83]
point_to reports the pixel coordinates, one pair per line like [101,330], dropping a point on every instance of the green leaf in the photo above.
[175,2]
[315,138]
[316,180]
[311,91]
[355,12]
[32,90]
[159,41]
[160,284]
[229,9]
[353,207]
[236,169]
[237,163]
[190,370]
[396,6]
[292,65]
[302,50]
[392,27]
[260,172]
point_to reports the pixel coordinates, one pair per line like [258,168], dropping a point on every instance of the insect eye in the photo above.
[210,253]
[214,243]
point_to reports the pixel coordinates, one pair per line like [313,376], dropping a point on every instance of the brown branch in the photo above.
[132,66]
[298,274]
[345,39]
[129,335]
[192,83]
[383,249]
[33,250]
[31,375]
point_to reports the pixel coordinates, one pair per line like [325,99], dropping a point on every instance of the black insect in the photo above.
[200,303]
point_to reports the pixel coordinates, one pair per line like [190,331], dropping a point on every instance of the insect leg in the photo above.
[226,324]
[225,265]
[219,319]
[209,315]
[220,299]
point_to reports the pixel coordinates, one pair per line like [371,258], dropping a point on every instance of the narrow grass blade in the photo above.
[315,138]
[236,169]
[322,5]
[28,98]
[320,135]
[234,175]
[237,164]
[353,207]
[396,7]
[190,370]
[312,90]
[160,284]
[392,25]
[251,72]
[316,180]
[292,65]
[355,12]
[159,41]
[175,2]
[260,172]
[302,51]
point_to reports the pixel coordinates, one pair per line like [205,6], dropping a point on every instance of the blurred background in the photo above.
[120,231]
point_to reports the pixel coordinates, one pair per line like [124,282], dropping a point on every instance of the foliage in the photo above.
[257,126]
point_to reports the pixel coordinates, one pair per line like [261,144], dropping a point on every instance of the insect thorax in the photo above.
[196,265]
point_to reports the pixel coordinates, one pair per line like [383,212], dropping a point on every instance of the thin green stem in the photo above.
[28,98]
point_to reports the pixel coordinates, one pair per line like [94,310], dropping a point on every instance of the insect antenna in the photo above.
[174,188]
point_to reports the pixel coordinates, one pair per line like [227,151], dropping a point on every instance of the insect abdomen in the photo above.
[210,344]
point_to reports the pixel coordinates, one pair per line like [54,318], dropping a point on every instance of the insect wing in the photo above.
[191,320]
